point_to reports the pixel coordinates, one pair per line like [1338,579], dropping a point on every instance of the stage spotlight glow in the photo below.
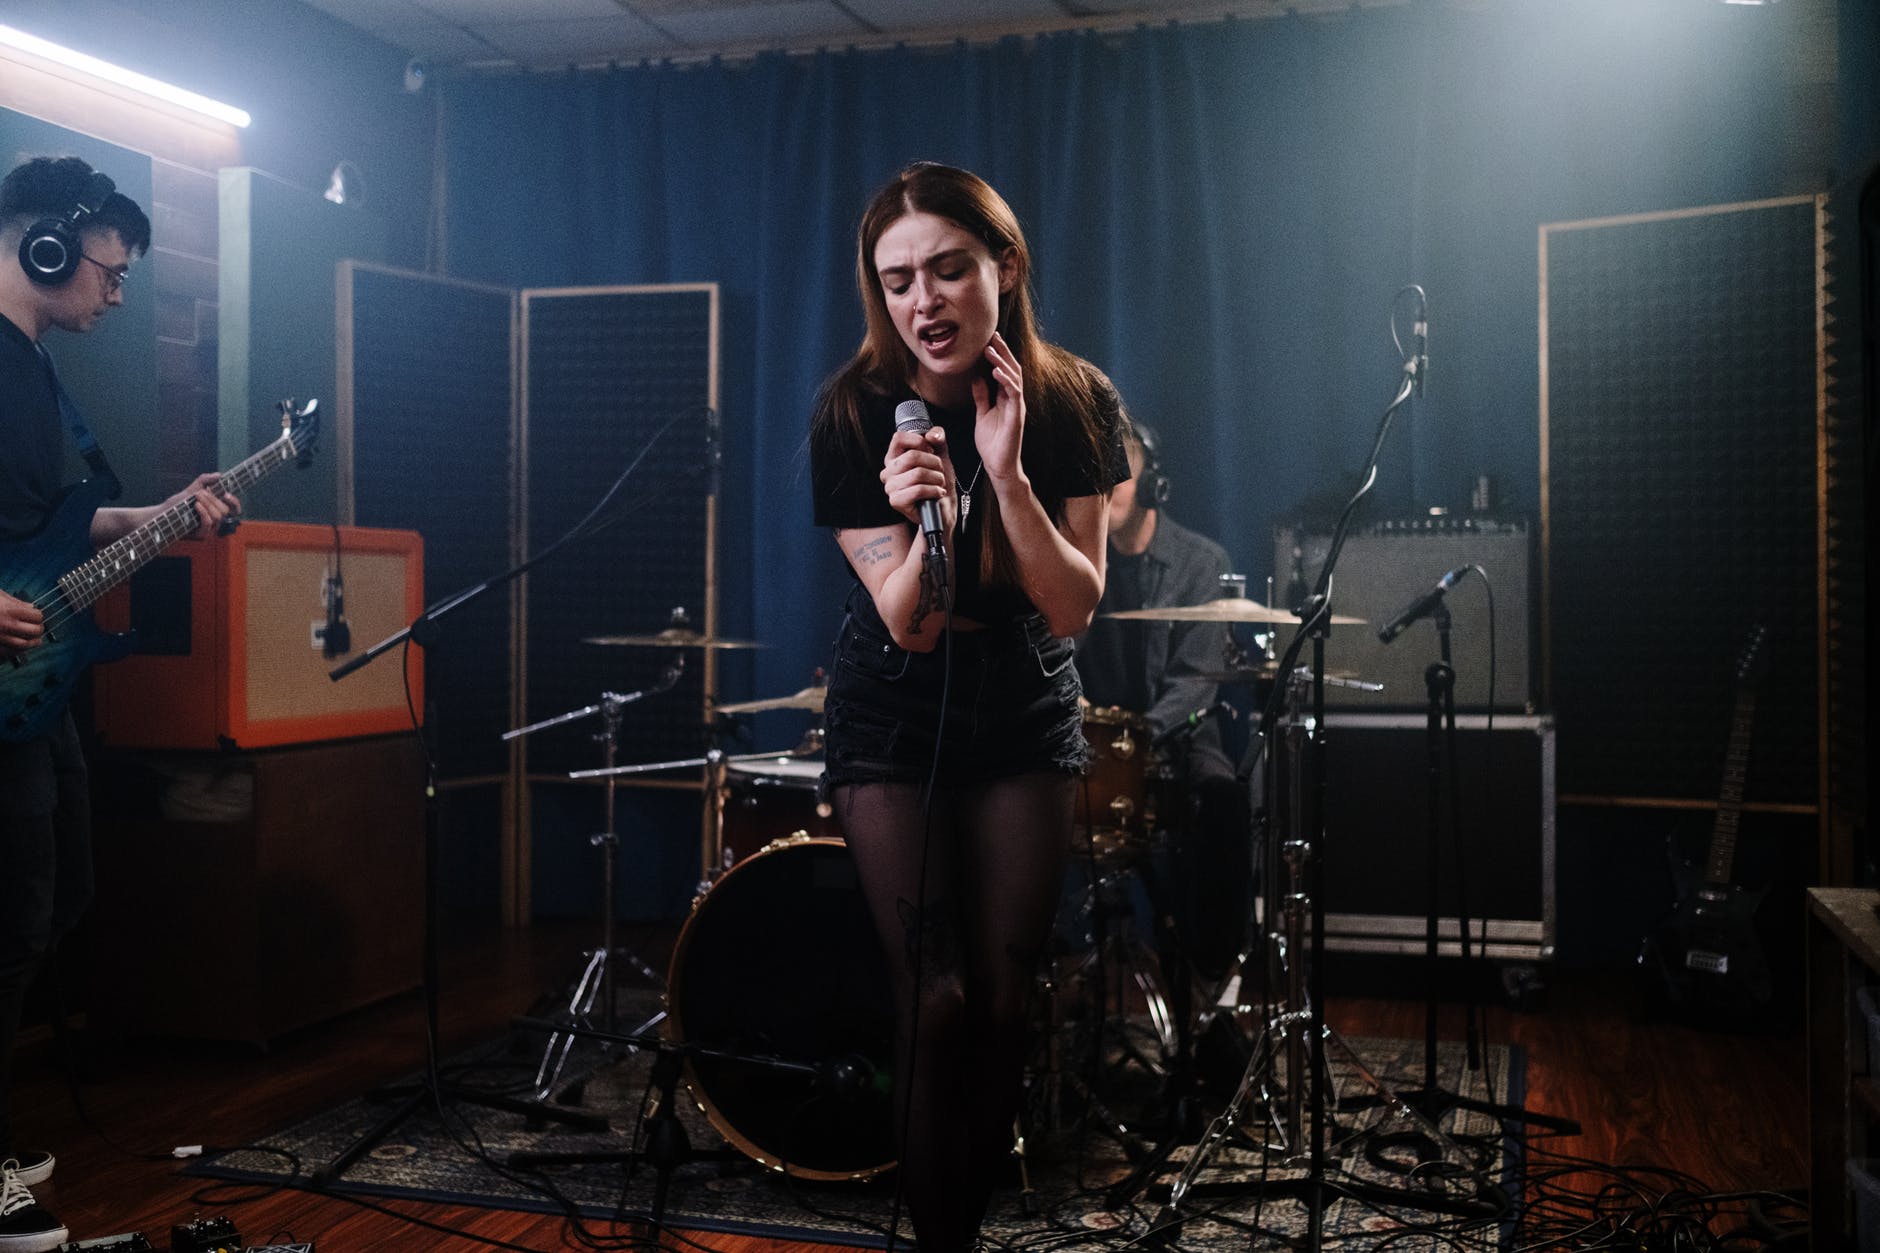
[122,77]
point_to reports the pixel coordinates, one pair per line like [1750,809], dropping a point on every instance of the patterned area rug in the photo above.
[1091,1176]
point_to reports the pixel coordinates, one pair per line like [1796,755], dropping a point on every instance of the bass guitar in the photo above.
[57,570]
[1706,956]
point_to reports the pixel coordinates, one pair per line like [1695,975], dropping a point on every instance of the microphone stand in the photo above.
[1432,1100]
[1307,854]
[426,630]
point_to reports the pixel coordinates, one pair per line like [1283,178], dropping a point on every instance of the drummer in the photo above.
[1161,670]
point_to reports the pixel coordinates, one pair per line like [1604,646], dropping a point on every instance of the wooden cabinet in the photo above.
[242,896]
[1843,1100]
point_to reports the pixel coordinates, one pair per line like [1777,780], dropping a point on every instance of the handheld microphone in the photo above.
[911,415]
[1422,606]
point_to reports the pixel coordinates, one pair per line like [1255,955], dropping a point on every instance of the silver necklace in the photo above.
[966,496]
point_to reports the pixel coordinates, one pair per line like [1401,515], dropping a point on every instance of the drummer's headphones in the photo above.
[1152,485]
[50,249]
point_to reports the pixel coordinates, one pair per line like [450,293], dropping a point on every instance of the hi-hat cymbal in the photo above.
[672,637]
[810,698]
[1226,609]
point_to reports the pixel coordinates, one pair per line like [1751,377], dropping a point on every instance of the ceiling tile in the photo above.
[584,40]
[796,22]
[898,16]
[479,12]
[376,15]
[445,45]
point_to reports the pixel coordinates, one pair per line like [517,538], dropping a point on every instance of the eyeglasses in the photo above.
[113,279]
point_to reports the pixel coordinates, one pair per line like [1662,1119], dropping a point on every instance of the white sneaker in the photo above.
[25,1227]
[33,1166]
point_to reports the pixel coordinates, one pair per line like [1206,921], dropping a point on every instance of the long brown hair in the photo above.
[1061,389]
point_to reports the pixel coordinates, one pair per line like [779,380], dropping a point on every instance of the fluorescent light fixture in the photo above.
[122,77]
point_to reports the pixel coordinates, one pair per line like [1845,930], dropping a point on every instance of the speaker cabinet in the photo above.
[1386,566]
[1377,837]
[231,648]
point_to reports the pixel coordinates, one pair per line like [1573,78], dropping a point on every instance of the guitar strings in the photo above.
[59,605]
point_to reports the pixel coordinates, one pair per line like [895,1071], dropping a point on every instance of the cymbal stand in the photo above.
[597,981]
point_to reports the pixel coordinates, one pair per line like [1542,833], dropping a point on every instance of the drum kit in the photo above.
[795,1074]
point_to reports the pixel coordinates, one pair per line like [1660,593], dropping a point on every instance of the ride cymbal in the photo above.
[1226,609]
[810,698]
[671,637]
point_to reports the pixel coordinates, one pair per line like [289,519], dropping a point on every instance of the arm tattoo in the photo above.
[873,552]
[925,605]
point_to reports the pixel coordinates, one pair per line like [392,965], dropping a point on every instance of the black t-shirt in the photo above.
[1110,659]
[32,435]
[846,484]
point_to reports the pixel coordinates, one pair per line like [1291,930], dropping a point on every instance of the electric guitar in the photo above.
[57,570]
[1706,954]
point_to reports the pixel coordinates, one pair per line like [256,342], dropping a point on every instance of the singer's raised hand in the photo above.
[918,467]
[999,431]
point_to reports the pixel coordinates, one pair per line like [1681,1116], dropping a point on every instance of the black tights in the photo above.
[995,862]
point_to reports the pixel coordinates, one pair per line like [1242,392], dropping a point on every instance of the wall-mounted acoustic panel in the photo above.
[1681,453]
[424,437]
[618,381]
[279,248]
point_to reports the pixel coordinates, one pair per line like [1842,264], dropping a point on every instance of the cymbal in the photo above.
[672,637]
[810,698]
[1226,609]
[1267,673]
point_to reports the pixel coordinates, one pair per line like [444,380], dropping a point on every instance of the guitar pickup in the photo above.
[1708,963]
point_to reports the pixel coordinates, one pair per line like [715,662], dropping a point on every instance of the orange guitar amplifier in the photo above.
[231,640]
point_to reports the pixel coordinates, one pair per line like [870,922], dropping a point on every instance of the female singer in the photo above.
[954,735]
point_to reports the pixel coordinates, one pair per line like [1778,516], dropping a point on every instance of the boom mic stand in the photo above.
[425,631]
[1316,619]
[1432,1100]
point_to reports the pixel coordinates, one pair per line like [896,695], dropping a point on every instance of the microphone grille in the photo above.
[911,415]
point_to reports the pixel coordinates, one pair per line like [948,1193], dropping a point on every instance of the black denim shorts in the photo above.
[1011,704]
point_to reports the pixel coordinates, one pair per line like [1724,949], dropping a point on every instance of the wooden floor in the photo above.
[1728,1110]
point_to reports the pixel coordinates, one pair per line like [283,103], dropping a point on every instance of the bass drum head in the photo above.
[780,960]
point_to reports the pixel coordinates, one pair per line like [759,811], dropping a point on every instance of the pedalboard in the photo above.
[201,1235]
[205,1235]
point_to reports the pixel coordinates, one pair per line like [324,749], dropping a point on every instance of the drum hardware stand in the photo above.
[1432,1100]
[597,979]
[1056,1077]
[666,1145]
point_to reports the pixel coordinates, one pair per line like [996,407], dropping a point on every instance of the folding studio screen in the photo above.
[1687,462]
[492,421]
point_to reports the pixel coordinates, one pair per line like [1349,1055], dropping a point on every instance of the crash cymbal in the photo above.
[1226,609]
[672,637]
[810,698]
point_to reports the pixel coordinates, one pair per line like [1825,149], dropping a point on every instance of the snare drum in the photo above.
[1114,811]
[771,798]
[779,960]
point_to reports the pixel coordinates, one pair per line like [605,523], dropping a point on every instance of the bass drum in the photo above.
[779,963]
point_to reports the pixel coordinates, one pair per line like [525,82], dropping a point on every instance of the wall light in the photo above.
[122,77]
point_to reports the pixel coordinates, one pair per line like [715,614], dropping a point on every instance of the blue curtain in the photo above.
[1220,213]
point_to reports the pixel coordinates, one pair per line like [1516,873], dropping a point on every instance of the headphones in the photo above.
[49,252]
[1152,485]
